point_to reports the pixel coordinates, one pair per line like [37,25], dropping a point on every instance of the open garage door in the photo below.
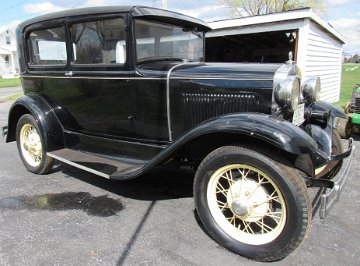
[264,47]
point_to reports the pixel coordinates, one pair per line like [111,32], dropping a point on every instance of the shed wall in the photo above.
[321,55]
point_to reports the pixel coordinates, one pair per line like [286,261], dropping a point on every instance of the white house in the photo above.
[315,44]
[9,63]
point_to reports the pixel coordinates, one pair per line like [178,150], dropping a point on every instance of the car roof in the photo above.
[137,11]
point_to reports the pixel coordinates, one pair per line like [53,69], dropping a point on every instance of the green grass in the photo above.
[10,82]
[14,97]
[350,77]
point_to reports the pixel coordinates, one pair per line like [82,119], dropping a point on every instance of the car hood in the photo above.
[233,71]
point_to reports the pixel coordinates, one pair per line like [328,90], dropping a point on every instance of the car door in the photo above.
[99,97]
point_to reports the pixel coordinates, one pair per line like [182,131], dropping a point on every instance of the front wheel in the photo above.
[252,204]
[30,145]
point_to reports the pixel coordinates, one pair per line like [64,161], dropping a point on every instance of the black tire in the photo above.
[344,128]
[36,161]
[287,188]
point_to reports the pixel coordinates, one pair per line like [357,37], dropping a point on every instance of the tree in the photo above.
[352,59]
[245,8]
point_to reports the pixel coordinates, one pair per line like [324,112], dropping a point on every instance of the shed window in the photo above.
[99,42]
[47,47]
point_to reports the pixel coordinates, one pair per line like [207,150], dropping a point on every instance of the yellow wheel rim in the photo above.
[30,143]
[246,204]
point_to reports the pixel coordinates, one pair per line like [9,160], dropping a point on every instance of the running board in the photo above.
[94,163]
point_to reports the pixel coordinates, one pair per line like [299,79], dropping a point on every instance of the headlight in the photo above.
[311,90]
[287,93]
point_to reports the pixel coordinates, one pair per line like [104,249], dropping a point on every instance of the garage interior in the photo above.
[264,47]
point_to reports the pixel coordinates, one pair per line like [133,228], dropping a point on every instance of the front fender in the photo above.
[49,125]
[334,111]
[275,131]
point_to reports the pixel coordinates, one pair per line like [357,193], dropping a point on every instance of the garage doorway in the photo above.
[264,47]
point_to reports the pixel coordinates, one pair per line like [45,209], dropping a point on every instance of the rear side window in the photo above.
[47,46]
[99,42]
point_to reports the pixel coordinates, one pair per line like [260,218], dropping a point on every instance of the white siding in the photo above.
[322,56]
[12,67]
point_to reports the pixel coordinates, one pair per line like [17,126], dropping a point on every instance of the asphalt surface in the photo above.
[4,92]
[71,217]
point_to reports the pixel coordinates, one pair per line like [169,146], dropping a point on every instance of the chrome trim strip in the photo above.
[91,77]
[146,78]
[168,97]
[78,165]
[219,78]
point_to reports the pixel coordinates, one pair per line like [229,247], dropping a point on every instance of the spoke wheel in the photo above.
[246,203]
[30,145]
[252,202]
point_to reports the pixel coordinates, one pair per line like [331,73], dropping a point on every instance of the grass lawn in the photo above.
[10,82]
[350,77]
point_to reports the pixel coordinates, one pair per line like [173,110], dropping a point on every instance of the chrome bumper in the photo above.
[329,197]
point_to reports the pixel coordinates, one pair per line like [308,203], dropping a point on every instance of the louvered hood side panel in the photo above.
[199,107]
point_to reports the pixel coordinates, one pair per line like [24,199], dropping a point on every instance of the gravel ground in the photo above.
[71,217]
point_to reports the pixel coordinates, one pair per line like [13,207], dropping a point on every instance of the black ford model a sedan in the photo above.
[117,91]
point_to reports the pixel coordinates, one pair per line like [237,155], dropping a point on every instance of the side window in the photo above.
[47,47]
[99,42]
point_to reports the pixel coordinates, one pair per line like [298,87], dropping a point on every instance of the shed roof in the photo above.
[286,16]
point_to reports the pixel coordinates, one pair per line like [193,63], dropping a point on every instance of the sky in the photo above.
[343,15]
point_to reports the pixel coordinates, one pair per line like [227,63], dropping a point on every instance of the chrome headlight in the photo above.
[311,90]
[287,93]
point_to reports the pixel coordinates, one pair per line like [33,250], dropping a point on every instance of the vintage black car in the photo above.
[117,91]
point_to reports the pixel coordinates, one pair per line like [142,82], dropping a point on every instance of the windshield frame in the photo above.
[197,36]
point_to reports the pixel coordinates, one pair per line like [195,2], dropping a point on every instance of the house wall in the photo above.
[320,54]
[8,50]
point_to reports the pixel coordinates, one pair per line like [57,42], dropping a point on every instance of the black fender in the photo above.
[36,105]
[326,135]
[334,111]
[277,132]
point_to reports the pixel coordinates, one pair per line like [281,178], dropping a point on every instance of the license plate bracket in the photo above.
[299,113]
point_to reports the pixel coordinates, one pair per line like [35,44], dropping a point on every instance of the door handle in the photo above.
[69,74]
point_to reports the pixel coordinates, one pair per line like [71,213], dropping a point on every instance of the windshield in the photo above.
[156,41]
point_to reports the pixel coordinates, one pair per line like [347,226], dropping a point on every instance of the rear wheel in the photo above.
[30,145]
[252,204]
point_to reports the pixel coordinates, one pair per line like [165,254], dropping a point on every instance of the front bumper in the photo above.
[328,196]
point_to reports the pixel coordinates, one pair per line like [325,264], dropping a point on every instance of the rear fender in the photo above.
[49,125]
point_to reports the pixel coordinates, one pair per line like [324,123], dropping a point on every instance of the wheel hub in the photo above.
[248,200]
[239,207]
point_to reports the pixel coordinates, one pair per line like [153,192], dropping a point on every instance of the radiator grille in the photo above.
[202,106]
[357,105]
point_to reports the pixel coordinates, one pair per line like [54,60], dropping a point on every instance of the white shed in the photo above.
[316,45]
